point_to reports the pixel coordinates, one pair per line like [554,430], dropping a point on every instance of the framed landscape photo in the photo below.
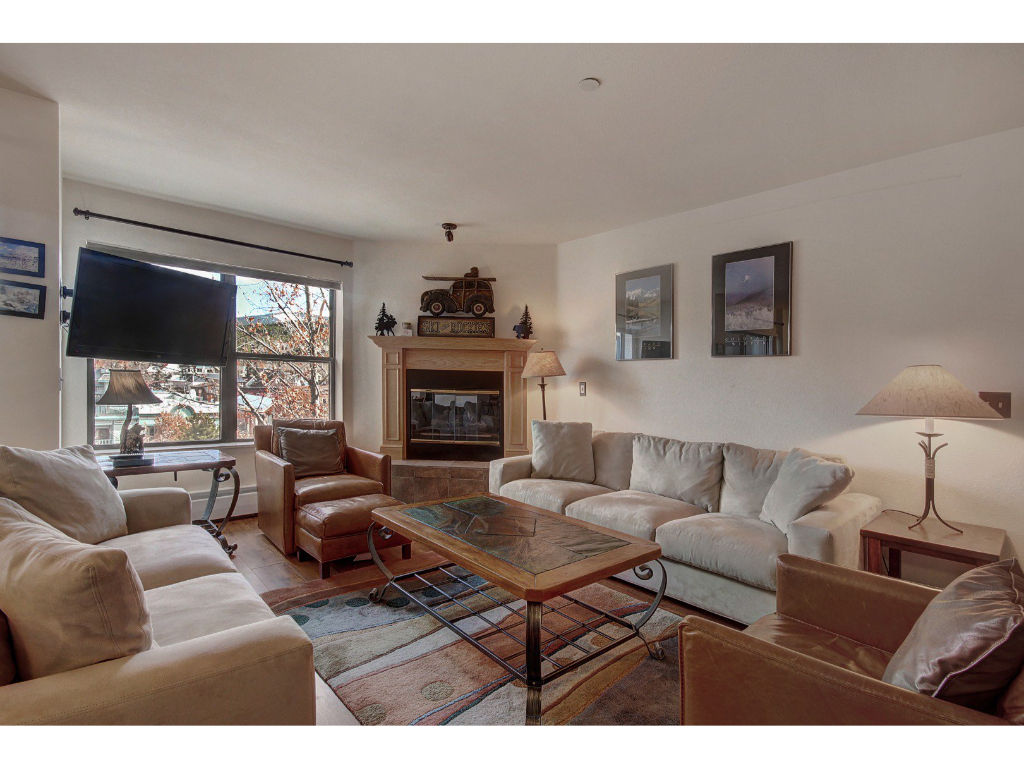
[22,299]
[21,257]
[643,314]
[751,302]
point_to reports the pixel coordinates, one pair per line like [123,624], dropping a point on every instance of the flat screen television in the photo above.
[129,310]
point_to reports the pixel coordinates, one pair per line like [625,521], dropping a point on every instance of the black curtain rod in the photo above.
[93,215]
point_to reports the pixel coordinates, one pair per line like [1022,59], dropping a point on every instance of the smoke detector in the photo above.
[448,229]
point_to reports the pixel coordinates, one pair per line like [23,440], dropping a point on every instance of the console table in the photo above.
[208,460]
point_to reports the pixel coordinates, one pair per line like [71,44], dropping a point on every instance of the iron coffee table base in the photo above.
[536,647]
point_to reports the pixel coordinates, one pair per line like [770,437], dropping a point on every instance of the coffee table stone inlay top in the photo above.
[535,556]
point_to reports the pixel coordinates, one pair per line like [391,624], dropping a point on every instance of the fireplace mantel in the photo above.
[402,353]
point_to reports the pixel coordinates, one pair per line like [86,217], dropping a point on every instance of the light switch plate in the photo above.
[998,400]
[583,389]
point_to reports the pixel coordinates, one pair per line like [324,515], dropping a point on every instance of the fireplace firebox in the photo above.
[454,415]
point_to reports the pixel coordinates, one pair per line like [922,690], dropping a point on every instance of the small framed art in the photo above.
[22,299]
[643,314]
[751,302]
[21,257]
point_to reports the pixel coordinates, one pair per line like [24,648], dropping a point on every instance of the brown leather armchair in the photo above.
[817,661]
[280,494]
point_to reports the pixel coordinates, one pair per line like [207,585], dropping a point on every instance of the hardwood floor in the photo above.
[267,569]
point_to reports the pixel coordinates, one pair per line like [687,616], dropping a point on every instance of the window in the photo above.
[280,365]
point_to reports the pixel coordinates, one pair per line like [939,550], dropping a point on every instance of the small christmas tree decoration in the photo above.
[385,325]
[524,329]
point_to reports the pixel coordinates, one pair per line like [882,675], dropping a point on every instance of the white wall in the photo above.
[30,210]
[914,260]
[391,272]
[78,231]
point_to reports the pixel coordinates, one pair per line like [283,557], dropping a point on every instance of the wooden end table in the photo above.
[977,545]
[219,463]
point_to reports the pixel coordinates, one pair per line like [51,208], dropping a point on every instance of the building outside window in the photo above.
[280,365]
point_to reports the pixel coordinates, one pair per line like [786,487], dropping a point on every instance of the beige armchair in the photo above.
[817,661]
[280,494]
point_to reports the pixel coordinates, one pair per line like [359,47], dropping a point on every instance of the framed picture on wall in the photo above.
[751,302]
[643,314]
[22,299]
[21,257]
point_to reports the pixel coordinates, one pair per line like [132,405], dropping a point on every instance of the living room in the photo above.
[441,420]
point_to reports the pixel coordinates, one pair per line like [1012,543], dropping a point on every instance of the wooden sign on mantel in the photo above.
[457,327]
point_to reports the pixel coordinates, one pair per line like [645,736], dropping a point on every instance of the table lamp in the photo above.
[127,387]
[928,392]
[541,364]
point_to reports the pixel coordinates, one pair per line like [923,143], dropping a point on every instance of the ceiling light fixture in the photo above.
[589,84]
[448,229]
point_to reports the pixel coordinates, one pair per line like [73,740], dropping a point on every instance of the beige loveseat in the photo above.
[219,655]
[718,554]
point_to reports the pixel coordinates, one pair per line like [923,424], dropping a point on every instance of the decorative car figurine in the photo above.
[470,293]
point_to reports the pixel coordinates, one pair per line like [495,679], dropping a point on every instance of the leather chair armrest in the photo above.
[871,609]
[831,533]
[376,466]
[729,678]
[503,471]
[257,674]
[149,508]
[275,500]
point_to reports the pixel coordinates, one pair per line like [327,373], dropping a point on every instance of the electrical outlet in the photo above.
[583,389]
[998,400]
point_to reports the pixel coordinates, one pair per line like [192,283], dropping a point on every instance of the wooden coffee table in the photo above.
[535,556]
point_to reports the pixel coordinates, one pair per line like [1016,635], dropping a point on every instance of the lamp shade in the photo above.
[542,364]
[928,391]
[127,387]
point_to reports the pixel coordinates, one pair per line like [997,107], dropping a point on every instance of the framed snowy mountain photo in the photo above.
[751,302]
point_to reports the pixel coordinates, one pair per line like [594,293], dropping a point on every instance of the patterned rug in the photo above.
[394,664]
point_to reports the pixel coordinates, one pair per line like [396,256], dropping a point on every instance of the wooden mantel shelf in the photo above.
[400,354]
[444,342]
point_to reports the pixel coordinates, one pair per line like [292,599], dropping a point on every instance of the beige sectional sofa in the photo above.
[702,503]
[218,654]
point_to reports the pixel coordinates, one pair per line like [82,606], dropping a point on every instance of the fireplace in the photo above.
[454,415]
[450,399]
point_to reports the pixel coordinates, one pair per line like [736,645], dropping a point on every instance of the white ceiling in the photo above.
[388,141]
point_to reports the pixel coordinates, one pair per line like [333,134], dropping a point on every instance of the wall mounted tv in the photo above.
[129,310]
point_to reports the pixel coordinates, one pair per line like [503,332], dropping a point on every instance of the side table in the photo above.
[208,460]
[977,545]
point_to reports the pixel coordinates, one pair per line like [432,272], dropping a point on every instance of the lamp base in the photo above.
[120,460]
[929,481]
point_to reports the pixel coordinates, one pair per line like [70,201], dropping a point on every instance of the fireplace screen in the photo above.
[455,416]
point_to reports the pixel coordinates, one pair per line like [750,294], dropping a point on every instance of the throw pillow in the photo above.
[968,644]
[563,450]
[68,604]
[613,459]
[747,476]
[66,488]
[805,482]
[690,472]
[311,451]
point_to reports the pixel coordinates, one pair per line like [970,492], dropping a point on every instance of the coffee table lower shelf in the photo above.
[534,651]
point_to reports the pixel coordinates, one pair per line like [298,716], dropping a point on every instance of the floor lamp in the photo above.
[539,365]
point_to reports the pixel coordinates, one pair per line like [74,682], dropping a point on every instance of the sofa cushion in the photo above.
[613,459]
[747,476]
[554,495]
[176,553]
[968,644]
[8,670]
[68,604]
[311,451]
[634,512]
[804,483]
[690,472]
[563,450]
[739,548]
[341,517]
[325,487]
[66,488]
[820,644]
[202,606]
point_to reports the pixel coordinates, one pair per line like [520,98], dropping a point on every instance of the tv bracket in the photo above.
[66,293]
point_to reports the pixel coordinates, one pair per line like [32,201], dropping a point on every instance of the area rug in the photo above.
[392,663]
